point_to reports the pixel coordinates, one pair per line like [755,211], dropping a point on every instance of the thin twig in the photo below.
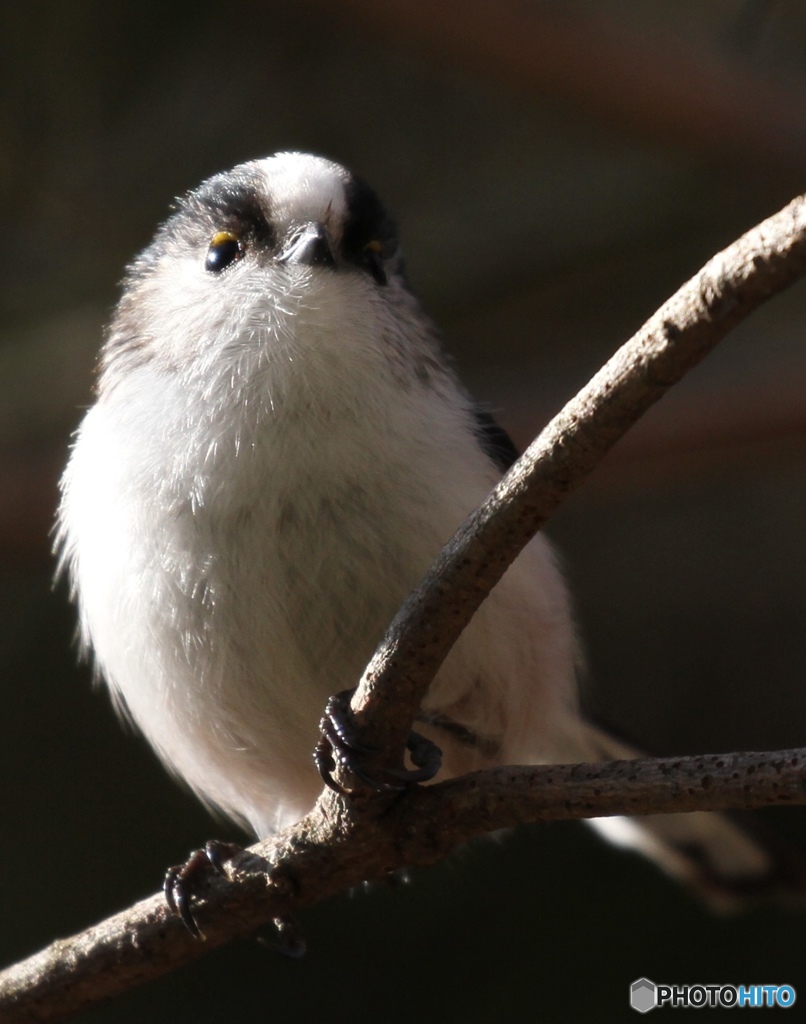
[504,797]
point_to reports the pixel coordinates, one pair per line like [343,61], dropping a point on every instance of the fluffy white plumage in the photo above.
[277,452]
[245,510]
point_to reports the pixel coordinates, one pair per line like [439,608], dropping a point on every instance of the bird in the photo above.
[278,448]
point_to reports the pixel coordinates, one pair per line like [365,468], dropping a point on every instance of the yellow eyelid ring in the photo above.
[374,246]
[220,237]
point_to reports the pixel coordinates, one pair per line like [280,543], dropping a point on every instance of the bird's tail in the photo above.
[727,860]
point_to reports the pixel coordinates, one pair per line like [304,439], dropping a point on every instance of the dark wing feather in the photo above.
[495,441]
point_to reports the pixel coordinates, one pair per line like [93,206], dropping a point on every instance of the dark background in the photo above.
[557,169]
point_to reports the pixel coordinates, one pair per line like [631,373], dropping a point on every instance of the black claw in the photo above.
[168,888]
[219,852]
[325,765]
[177,892]
[183,907]
[181,879]
[338,745]
[426,755]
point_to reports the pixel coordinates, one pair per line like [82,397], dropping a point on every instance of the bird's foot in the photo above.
[181,880]
[338,745]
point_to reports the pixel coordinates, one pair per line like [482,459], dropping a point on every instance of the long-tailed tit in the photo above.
[278,450]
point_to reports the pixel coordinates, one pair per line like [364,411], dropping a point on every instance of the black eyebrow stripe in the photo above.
[234,204]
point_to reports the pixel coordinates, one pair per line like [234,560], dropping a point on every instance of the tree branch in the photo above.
[499,798]
[761,263]
[343,842]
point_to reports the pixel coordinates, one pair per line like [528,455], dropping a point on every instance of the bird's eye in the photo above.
[373,259]
[225,249]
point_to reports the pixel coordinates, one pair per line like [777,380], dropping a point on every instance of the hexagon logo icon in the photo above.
[643,995]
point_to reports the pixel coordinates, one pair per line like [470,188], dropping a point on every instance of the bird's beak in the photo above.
[308,246]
